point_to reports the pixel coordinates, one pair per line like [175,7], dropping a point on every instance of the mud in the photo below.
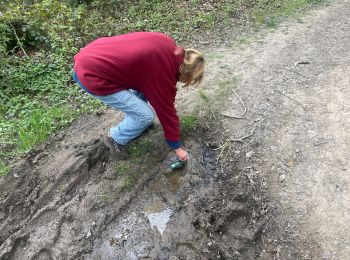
[66,200]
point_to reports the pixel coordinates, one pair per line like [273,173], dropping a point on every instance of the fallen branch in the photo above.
[19,42]
[245,109]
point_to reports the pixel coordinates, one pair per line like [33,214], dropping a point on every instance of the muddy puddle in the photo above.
[145,230]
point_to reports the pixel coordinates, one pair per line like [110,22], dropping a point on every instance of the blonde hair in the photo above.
[192,69]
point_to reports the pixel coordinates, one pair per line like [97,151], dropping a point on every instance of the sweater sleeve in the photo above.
[164,105]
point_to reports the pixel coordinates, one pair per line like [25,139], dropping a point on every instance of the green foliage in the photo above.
[188,123]
[122,167]
[269,13]
[128,182]
[203,95]
[141,148]
[4,168]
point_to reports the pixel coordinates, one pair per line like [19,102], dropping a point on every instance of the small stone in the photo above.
[210,243]
[67,197]
[2,215]
[282,177]
[38,157]
[93,223]
[249,154]
[88,234]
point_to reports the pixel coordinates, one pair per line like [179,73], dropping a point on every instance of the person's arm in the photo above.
[164,106]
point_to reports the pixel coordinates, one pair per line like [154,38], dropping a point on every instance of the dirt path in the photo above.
[281,193]
[295,83]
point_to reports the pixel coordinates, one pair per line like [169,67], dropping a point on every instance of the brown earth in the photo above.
[278,190]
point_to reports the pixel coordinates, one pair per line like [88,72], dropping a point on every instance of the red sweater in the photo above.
[143,61]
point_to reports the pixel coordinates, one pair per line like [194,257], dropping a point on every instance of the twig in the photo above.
[245,109]
[242,138]
[212,114]
[229,150]
[213,133]
[19,42]
[291,99]
[222,150]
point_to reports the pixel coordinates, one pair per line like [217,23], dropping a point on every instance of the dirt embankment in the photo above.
[271,185]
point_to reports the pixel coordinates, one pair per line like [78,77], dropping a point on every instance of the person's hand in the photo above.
[181,154]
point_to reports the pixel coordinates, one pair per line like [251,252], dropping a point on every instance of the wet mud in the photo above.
[66,200]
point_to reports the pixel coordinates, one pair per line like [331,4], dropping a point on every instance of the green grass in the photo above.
[271,15]
[122,167]
[128,182]
[141,148]
[243,40]
[203,95]
[188,123]
[4,168]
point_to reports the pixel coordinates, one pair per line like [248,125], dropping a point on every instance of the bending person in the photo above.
[127,71]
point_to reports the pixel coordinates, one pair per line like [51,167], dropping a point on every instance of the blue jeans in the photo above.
[138,114]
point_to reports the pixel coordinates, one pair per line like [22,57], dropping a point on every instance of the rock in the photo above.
[249,154]
[88,234]
[2,215]
[67,197]
[282,177]
[38,157]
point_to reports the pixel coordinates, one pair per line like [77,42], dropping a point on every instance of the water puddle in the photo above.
[159,219]
[140,231]
[175,180]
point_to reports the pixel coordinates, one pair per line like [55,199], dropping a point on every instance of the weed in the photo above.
[4,169]
[203,95]
[128,182]
[243,40]
[122,167]
[188,123]
[141,148]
